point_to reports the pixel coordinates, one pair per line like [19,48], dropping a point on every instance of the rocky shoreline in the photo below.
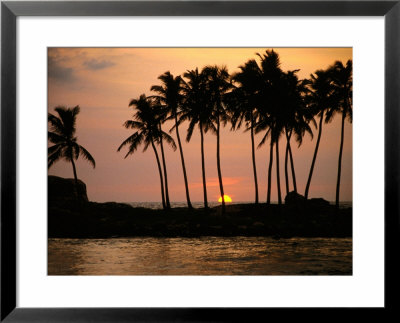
[105,220]
[296,218]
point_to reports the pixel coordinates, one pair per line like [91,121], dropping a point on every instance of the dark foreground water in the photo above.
[200,256]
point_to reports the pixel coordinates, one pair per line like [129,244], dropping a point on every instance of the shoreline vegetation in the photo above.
[296,218]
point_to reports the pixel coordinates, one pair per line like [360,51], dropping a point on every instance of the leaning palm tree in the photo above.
[320,99]
[197,111]
[242,104]
[167,202]
[161,116]
[342,80]
[171,98]
[61,133]
[218,84]
[148,132]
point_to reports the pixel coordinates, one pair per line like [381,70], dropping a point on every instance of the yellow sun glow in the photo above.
[227,198]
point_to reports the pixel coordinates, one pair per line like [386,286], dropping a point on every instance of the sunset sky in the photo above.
[102,81]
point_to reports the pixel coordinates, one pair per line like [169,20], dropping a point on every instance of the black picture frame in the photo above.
[10,10]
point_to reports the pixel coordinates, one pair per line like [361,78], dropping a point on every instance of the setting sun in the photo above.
[227,198]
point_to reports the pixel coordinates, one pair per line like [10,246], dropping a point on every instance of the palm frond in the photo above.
[56,124]
[76,150]
[168,139]
[190,130]
[147,143]
[51,150]
[131,124]
[210,126]
[54,156]
[158,89]
[134,140]
[87,156]
[68,119]
[55,138]
[262,142]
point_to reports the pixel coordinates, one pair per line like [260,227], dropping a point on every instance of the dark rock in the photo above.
[61,191]
[104,220]
[318,202]
[294,198]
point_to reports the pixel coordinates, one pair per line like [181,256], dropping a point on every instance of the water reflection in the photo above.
[200,256]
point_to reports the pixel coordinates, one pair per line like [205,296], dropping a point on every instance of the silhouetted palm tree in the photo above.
[218,81]
[296,117]
[161,114]
[243,103]
[342,79]
[171,98]
[320,99]
[148,132]
[61,133]
[197,111]
[272,92]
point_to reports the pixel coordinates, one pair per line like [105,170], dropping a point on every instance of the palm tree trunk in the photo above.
[271,157]
[315,155]
[203,167]
[161,176]
[254,160]
[286,165]
[340,160]
[183,164]
[221,187]
[165,174]
[75,178]
[74,169]
[292,166]
[278,180]
[288,137]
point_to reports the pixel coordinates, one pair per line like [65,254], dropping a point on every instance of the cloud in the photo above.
[59,72]
[95,64]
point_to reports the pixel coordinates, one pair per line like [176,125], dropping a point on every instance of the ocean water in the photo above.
[158,205]
[200,256]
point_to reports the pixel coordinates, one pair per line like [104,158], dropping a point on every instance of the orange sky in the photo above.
[103,80]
